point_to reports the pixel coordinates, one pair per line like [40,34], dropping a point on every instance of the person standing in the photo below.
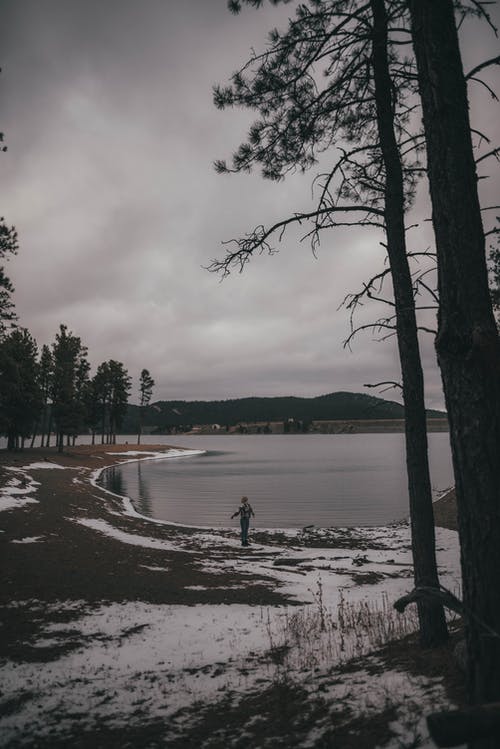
[245,511]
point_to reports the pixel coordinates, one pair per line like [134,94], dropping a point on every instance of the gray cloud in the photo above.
[109,180]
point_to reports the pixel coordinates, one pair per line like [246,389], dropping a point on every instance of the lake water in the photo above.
[291,480]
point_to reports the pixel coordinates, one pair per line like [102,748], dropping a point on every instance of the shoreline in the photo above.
[60,496]
[332,426]
[444,506]
[118,630]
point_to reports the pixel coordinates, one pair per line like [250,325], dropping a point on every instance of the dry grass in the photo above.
[321,636]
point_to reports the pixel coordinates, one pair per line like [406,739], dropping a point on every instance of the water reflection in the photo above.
[143,501]
[292,480]
[113,480]
[136,485]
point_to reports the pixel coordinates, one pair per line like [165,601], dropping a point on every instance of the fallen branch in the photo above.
[426,593]
[446,598]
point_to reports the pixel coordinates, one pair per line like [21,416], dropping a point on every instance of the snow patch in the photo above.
[16,492]
[28,540]
[44,464]
[101,526]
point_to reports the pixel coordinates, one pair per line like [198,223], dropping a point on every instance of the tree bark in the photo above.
[467,343]
[433,629]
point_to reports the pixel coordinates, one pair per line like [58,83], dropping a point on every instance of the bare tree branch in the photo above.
[391,384]
[374,326]
[258,239]
[432,331]
[495,152]
[481,66]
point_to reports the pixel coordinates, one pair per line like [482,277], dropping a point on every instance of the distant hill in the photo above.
[163,416]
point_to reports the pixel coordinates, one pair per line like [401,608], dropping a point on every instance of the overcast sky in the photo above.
[111,131]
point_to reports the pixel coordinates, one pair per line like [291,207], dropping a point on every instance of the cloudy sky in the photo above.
[111,131]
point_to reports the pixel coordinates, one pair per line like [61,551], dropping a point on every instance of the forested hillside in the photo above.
[166,415]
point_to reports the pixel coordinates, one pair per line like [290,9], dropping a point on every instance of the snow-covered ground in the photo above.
[121,663]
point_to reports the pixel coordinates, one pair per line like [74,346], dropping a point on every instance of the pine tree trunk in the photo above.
[43,422]
[49,429]
[467,344]
[433,629]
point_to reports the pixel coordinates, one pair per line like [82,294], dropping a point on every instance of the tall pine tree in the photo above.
[20,392]
[70,374]
[467,344]
[363,105]
[146,385]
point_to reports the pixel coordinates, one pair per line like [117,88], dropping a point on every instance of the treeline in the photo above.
[51,391]
[167,416]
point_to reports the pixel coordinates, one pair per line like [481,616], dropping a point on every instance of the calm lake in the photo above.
[291,480]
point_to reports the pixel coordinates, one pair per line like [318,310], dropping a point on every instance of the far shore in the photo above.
[334,426]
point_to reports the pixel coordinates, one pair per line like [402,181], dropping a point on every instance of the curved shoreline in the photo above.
[87,455]
[128,504]
[128,616]
[88,546]
[167,499]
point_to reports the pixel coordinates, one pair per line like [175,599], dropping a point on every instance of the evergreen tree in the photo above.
[70,374]
[81,384]
[93,410]
[433,629]
[110,390]
[46,374]
[8,247]
[495,276]
[100,394]
[20,392]
[146,385]
[120,384]
[45,369]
